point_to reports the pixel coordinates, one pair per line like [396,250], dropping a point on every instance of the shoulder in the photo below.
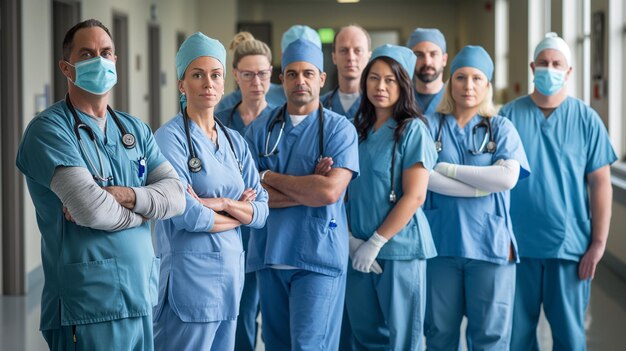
[416,128]
[520,102]
[54,120]
[500,122]
[337,121]
[172,127]
[134,122]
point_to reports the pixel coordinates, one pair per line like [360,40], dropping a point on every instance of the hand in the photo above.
[353,245]
[217,204]
[323,167]
[446,169]
[123,195]
[365,255]
[67,215]
[589,262]
[248,195]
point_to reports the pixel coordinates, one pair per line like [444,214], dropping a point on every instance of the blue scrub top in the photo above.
[275,97]
[368,195]
[205,270]
[428,107]
[550,211]
[90,275]
[336,106]
[310,238]
[232,119]
[474,227]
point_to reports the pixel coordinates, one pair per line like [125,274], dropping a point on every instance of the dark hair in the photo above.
[68,41]
[404,111]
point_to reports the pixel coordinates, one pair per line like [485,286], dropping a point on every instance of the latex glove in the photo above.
[353,245]
[447,169]
[365,256]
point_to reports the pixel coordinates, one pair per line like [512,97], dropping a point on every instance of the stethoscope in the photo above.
[128,139]
[232,114]
[488,144]
[329,102]
[280,118]
[194,163]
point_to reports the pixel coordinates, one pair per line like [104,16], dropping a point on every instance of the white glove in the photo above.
[364,257]
[353,245]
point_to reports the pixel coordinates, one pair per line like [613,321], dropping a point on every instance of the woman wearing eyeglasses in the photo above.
[202,254]
[481,158]
[252,70]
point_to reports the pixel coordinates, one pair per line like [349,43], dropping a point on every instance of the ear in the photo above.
[334,60]
[532,67]
[235,75]
[180,87]
[322,79]
[282,78]
[65,68]
[569,72]
[444,60]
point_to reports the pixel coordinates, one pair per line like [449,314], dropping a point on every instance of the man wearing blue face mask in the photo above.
[561,229]
[96,176]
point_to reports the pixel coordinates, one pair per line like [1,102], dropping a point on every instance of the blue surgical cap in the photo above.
[198,45]
[404,56]
[427,34]
[552,41]
[300,32]
[473,56]
[303,50]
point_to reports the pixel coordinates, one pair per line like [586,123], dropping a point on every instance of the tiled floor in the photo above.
[606,319]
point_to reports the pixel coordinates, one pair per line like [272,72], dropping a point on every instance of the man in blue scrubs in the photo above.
[307,155]
[352,48]
[429,45]
[95,177]
[561,214]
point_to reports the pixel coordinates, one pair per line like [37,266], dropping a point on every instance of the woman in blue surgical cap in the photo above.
[390,240]
[202,258]
[480,159]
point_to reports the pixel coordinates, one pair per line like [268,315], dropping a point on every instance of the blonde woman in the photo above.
[480,159]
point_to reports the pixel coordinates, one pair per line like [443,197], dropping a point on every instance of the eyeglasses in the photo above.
[249,75]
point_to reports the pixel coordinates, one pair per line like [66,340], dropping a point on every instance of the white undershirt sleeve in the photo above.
[501,176]
[441,184]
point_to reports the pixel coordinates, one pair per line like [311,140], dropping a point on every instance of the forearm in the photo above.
[399,216]
[441,184]
[223,223]
[242,211]
[311,190]
[163,197]
[414,185]
[501,176]
[276,199]
[89,204]
[600,196]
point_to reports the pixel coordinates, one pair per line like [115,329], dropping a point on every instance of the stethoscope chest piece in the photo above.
[491,147]
[129,140]
[438,146]
[195,165]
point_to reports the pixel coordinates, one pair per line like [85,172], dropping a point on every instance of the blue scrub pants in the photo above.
[128,334]
[387,310]
[301,309]
[565,298]
[249,307]
[171,333]
[482,291]
[346,339]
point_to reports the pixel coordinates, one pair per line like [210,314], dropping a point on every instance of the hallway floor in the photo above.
[606,318]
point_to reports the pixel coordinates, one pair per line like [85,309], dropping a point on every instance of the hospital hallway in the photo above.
[605,321]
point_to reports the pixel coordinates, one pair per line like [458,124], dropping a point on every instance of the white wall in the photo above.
[187,16]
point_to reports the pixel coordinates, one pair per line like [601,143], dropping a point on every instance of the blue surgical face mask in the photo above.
[549,81]
[96,75]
